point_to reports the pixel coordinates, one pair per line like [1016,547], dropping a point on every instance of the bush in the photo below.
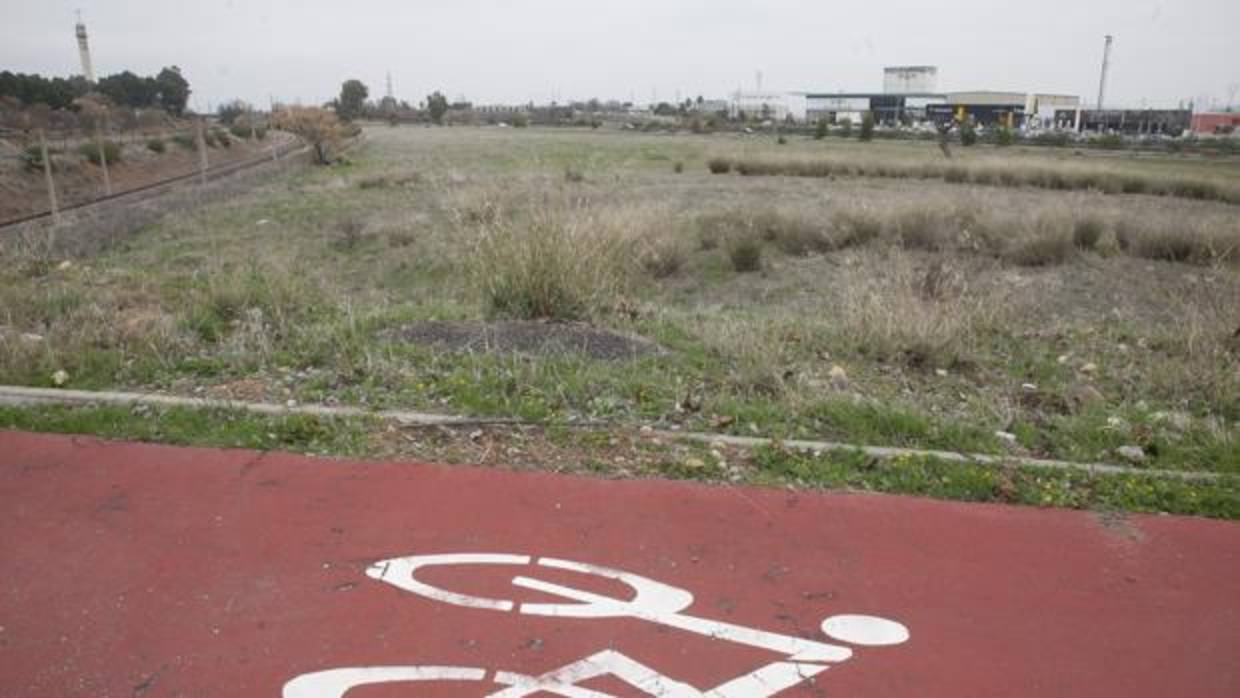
[820,130]
[184,140]
[90,151]
[223,138]
[745,254]
[846,127]
[156,145]
[520,121]
[719,165]
[1086,233]
[781,140]
[242,132]
[573,175]
[1005,137]
[32,157]
[678,167]
[209,138]
[260,132]
[968,133]
[1110,141]
[867,127]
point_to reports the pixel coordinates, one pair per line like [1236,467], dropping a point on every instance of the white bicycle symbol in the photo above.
[653,601]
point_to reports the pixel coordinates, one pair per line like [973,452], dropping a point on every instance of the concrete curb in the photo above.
[21,396]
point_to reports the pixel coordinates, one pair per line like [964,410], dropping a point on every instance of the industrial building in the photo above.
[1136,122]
[1216,123]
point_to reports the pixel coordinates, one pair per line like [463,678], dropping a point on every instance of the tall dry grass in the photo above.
[1061,177]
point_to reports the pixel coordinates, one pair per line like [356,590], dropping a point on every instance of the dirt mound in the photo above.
[534,338]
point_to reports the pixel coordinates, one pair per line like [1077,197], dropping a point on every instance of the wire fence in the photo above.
[55,157]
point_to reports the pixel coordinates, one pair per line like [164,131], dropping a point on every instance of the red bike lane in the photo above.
[141,570]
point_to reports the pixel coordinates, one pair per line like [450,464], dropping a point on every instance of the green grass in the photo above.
[774,465]
[941,479]
[194,427]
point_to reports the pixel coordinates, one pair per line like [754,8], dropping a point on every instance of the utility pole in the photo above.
[1106,65]
[47,175]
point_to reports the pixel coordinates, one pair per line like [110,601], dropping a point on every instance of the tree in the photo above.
[867,126]
[820,130]
[229,111]
[173,90]
[318,127]
[437,105]
[352,99]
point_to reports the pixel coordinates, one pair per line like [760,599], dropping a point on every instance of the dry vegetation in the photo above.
[896,310]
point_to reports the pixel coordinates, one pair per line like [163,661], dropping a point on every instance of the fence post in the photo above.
[103,160]
[202,152]
[47,175]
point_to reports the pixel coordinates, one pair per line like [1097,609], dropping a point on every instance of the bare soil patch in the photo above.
[527,337]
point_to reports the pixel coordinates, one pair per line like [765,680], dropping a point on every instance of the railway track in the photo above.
[154,189]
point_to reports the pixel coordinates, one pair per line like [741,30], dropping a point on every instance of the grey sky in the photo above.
[492,51]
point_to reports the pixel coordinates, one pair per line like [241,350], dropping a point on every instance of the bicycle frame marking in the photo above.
[653,602]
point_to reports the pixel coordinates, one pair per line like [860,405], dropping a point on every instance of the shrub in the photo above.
[781,140]
[184,140]
[318,127]
[846,127]
[573,175]
[745,254]
[1005,137]
[240,131]
[719,165]
[223,138]
[260,132]
[867,127]
[1110,141]
[209,138]
[1086,232]
[820,130]
[156,145]
[90,151]
[678,167]
[32,157]
[520,121]
[968,133]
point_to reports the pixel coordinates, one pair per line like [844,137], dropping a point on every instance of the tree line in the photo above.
[168,90]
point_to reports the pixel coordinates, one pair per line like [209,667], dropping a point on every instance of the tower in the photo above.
[1106,64]
[88,72]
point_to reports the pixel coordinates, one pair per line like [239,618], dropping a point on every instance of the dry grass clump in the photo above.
[855,226]
[922,318]
[745,254]
[1087,231]
[664,257]
[719,165]
[1189,242]
[1047,241]
[922,227]
[560,261]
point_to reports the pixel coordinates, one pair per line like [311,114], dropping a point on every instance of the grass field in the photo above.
[862,305]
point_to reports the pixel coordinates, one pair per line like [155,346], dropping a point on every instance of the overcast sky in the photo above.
[496,51]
